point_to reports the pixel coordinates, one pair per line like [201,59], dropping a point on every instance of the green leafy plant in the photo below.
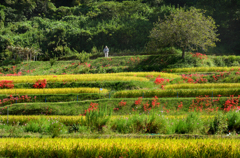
[96,118]
[219,124]
[15,130]
[83,57]
[172,30]
[52,61]
[74,128]
[55,128]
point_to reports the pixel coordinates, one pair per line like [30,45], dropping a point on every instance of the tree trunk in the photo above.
[183,53]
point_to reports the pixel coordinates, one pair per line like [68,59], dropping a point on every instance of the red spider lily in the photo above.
[139,101]
[6,84]
[231,103]
[115,109]
[40,84]
[161,81]
[203,103]
[11,99]
[87,65]
[92,107]
[146,107]
[122,103]
[154,102]
[180,105]
[199,55]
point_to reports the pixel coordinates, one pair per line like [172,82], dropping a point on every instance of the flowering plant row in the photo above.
[176,92]
[11,99]
[53,91]
[121,147]
[202,69]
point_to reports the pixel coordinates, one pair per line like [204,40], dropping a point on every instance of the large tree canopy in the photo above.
[188,29]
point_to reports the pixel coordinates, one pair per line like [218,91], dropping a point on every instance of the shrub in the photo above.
[96,118]
[192,124]
[233,119]
[83,57]
[37,126]
[56,128]
[52,61]
[219,124]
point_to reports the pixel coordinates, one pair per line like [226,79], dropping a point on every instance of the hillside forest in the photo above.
[58,28]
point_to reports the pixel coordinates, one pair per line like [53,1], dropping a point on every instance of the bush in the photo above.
[38,126]
[192,124]
[96,118]
[52,61]
[233,119]
[219,124]
[83,57]
[56,128]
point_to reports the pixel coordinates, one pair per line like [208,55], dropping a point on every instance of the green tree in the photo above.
[185,29]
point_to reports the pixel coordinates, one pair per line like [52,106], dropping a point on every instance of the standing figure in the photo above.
[106,50]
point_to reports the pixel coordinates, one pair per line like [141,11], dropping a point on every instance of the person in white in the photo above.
[106,50]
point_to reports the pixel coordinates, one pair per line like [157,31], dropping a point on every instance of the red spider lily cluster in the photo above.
[199,55]
[221,75]
[180,105]
[11,99]
[120,104]
[165,109]
[161,81]
[6,84]
[194,78]
[40,84]
[232,104]
[14,74]
[30,71]
[115,109]
[87,65]
[135,59]
[149,76]
[155,102]
[204,104]
[48,111]
[139,101]
[106,65]
[92,107]
[146,106]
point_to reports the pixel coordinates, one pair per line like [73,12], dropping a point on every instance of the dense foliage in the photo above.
[61,28]
[186,30]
